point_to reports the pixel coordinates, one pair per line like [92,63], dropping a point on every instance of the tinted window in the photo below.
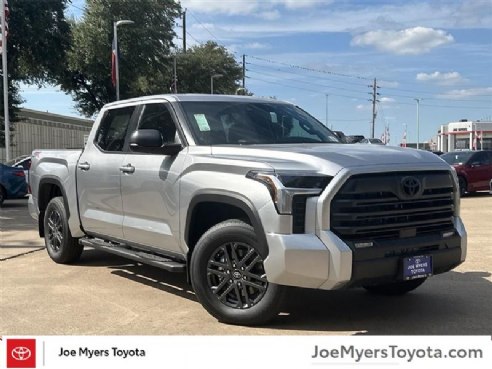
[244,123]
[157,116]
[480,158]
[457,157]
[112,131]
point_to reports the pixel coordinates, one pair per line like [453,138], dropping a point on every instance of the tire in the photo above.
[3,195]
[61,246]
[228,276]
[396,288]
[463,186]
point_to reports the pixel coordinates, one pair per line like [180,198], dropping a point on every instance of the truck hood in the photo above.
[329,158]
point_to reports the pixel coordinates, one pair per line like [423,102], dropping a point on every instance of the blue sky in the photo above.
[439,51]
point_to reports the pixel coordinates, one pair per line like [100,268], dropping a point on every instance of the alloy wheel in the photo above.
[236,275]
[55,231]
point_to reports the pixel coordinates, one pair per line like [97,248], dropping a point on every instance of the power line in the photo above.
[72,5]
[203,26]
[309,69]
[308,76]
[189,34]
[307,82]
[302,88]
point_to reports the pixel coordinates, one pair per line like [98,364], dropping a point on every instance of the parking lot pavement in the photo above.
[103,294]
[18,232]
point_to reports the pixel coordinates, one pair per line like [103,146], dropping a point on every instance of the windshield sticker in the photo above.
[202,122]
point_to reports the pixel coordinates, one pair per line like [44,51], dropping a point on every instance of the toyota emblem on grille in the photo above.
[410,186]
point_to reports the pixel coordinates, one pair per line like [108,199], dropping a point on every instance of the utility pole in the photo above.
[326,117]
[175,82]
[244,71]
[374,100]
[5,83]
[184,31]
[418,121]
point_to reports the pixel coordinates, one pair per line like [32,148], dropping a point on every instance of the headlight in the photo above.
[284,186]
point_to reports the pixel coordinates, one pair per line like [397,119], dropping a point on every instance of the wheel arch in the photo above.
[224,207]
[48,189]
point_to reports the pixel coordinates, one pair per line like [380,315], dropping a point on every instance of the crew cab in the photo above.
[248,196]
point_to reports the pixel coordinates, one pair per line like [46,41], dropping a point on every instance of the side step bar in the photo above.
[133,254]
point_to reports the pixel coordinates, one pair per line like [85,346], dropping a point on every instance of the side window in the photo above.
[112,131]
[158,116]
[480,158]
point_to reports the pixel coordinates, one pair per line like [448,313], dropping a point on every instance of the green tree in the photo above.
[196,67]
[38,37]
[144,51]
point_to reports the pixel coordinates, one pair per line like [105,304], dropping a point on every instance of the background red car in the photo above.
[474,169]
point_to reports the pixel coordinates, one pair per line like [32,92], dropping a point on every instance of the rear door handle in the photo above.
[84,166]
[127,168]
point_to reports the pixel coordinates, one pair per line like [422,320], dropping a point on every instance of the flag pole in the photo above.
[5,85]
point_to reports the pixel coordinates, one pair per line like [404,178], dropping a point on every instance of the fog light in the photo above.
[447,234]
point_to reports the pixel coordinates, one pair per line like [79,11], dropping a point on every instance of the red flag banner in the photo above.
[113,63]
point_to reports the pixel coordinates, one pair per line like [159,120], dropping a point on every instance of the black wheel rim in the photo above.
[55,231]
[236,275]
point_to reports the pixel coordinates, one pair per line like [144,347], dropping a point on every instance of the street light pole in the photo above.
[117,57]
[212,82]
[326,119]
[418,121]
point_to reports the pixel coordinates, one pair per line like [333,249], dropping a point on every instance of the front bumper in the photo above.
[326,262]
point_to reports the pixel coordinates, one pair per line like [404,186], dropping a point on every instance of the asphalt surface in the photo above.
[106,295]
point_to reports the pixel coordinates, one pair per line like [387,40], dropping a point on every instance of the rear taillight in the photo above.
[20,174]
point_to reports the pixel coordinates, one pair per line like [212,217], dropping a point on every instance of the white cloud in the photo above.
[387,100]
[248,7]
[297,4]
[391,84]
[256,46]
[269,15]
[224,7]
[444,79]
[469,92]
[362,107]
[410,41]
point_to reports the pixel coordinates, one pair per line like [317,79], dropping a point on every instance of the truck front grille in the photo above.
[393,205]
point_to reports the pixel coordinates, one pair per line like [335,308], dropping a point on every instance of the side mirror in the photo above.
[150,141]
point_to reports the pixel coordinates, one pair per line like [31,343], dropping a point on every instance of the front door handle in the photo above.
[127,168]
[84,166]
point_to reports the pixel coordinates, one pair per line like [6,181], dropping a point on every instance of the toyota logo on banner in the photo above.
[21,353]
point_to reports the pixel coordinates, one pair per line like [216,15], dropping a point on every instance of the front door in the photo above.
[150,190]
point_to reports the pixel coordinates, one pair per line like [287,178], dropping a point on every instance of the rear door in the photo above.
[99,175]
[150,190]
[479,170]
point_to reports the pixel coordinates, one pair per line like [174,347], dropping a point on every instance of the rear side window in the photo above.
[113,128]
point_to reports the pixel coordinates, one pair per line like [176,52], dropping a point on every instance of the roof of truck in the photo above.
[194,97]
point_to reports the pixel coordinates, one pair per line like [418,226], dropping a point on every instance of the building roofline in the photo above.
[42,115]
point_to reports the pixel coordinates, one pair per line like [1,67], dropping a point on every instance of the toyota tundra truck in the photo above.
[248,196]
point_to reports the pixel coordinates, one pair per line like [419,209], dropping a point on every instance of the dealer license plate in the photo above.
[417,267]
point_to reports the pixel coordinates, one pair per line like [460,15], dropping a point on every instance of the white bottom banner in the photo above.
[244,352]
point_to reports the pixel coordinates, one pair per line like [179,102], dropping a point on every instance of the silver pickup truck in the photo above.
[248,196]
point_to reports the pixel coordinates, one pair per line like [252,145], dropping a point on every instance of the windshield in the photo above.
[457,157]
[245,123]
